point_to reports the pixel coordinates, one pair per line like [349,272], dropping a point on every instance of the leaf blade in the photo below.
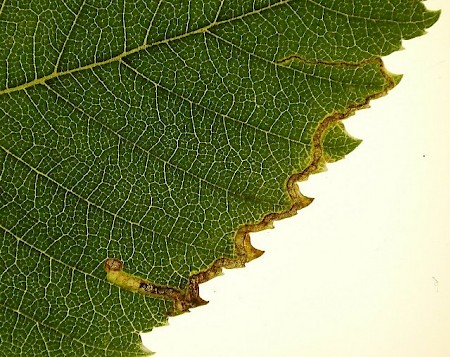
[155,152]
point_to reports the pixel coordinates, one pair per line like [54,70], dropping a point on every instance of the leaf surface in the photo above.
[152,137]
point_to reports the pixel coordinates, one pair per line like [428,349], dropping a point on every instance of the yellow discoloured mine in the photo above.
[182,299]
[115,275]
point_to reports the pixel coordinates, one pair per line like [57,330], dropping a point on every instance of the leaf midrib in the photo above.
[144,46]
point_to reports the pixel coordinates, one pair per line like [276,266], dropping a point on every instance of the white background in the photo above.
[365,269]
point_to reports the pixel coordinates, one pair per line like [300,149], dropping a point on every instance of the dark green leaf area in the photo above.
[337,30]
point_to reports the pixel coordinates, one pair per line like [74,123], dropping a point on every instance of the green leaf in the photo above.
[148,139]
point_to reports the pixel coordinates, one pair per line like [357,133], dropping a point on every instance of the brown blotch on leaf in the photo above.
[112,264]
